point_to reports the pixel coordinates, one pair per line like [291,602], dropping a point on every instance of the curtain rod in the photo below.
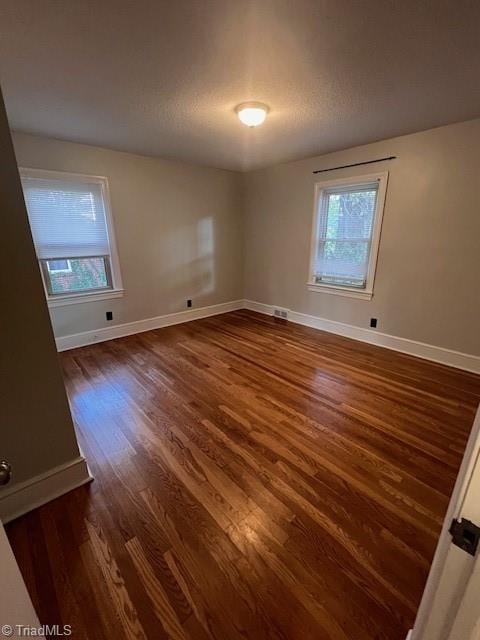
[355,164]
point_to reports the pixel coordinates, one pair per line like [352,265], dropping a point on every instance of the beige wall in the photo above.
[36,430]
[178,229]
[180,235]
[427,286]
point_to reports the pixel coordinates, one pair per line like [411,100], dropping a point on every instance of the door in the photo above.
[450,607]
[466,625]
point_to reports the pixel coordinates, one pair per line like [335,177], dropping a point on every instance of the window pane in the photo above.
[344,262]
[345,230]
[350,214]
[85,274]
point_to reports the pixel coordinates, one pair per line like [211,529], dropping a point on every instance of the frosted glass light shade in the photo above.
[252,114]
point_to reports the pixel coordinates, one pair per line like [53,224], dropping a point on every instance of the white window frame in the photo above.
[116,291]
[321,189]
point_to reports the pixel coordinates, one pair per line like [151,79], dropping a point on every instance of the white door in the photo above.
[450,607]
[16,609]
[466,625]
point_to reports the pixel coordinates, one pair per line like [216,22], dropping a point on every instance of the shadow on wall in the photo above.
[189,252]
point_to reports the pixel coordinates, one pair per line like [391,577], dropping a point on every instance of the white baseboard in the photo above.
[129,328]
[404,345]
[28,495]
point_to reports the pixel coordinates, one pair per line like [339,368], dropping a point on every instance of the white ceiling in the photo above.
[163,77]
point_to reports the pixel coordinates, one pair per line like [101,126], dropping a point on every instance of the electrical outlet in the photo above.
[373,322]
[189,303]
[109,315]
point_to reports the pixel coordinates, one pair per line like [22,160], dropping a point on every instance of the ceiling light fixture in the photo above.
[252,113]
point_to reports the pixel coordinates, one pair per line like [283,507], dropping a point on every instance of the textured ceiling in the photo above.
[163,77]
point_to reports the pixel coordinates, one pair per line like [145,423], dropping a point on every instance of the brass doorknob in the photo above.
[5,472]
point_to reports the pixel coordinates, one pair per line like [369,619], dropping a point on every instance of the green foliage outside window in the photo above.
[84,274]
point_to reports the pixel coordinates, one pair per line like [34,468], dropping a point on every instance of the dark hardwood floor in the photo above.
[253,480]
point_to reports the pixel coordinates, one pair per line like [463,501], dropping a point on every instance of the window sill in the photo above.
[340,291]
[78,298]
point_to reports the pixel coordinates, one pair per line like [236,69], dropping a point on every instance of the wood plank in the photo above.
[253,479]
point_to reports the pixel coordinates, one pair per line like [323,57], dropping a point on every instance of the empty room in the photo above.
[240,308]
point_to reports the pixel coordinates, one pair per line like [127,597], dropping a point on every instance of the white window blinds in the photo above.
[67,217]
[344,235]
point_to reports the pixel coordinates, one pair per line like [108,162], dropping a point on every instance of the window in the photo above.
[59,266]
[346,234]
[73,235]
